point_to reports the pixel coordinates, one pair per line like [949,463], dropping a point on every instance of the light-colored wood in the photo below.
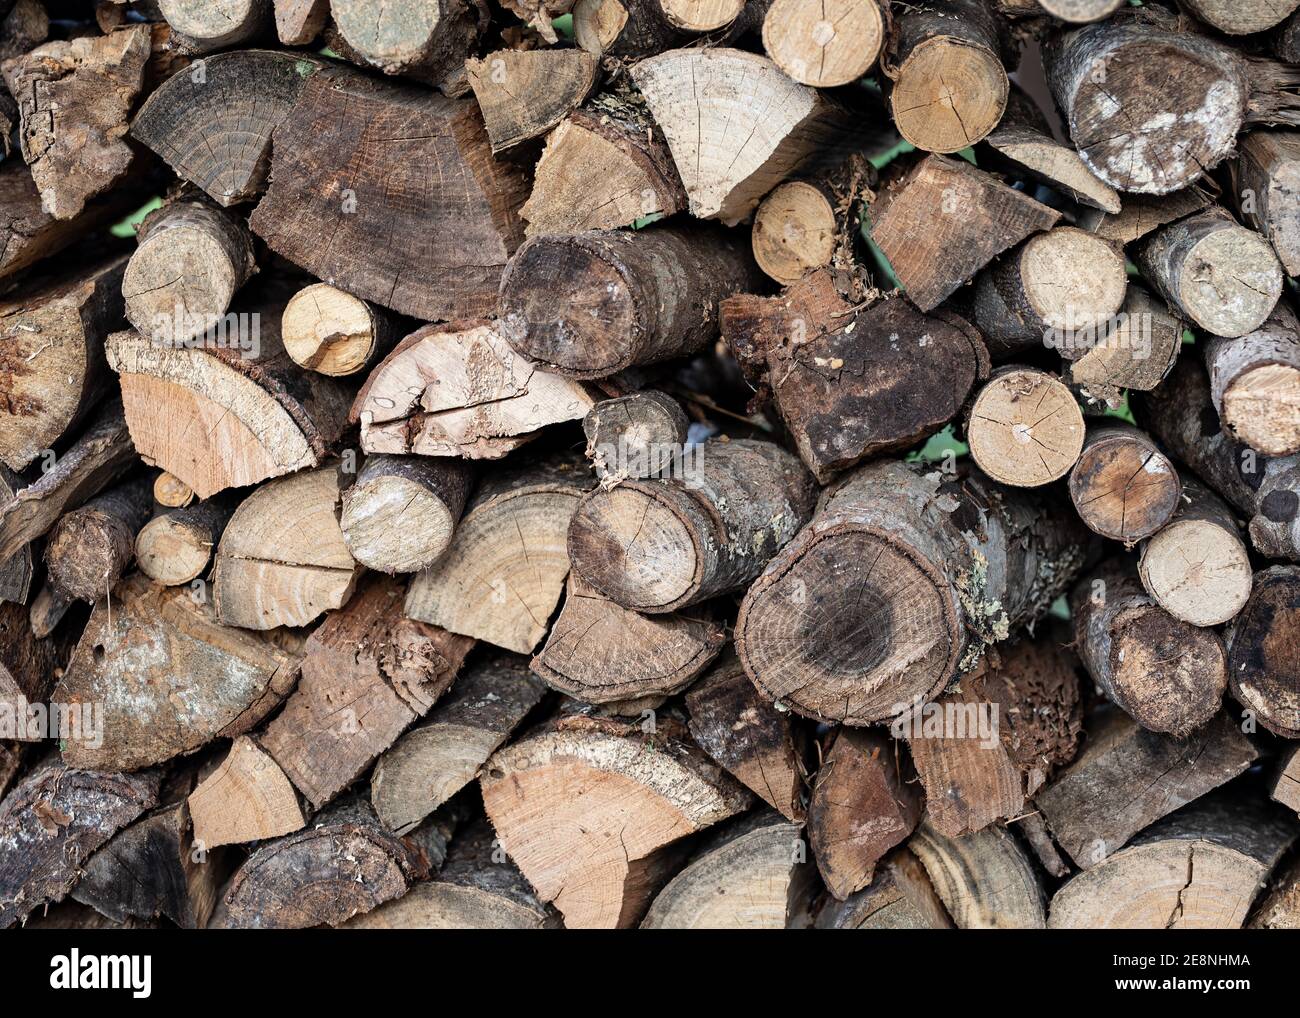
[1255,384]
[247,798]
[794,231]
[170,491]
[176,547]
[206,25]
[1080,11]
[525,93]
[1242,17]
[1025,428]
[824,45]
[1286,785]
[1041,157]
[332,332]
[1267,178]
[701,15]
[986,880]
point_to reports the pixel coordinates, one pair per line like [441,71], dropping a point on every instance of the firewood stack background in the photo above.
[663,463]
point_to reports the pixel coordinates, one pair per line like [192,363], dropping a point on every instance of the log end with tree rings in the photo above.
[1123,487]
[949,95]
[794,231]
[1025,428]
[824,45]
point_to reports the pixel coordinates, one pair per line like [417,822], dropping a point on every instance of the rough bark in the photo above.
[1255,384]
[1263,661]
[640,435]
[90,548]
[899,897]
[524,93]
[1267,179]
[175,547]
[426,41]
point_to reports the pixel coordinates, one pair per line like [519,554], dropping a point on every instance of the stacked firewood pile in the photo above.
[676,463]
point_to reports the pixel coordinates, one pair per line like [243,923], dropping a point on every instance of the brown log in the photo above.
[605,166]
[74,99]
[753,875]
[623,28]
[367,674]
[400,515]
[1144,213]
[1263,666]
[1123,486]
[201,26]
[1286,43]
[660,545]
[736,125]
[282,560]
[246,798]
[47,610]
[90,548]
[444,753]
[50,824]
[899,897]
[1197,567]
[1198,869]
[334,333]
[834,44]
[1025,428]
[1286,785]
[426,41]
[587,807]
[52,370]
[946,220]
[657,291]
[1136,351]
[170,492]
[1166,674]
[501,579]
[985,881]
[15,571]
[864,802]
[983,751]
[460,390]
[143,645]
[1280,909]
[599,652]
[642,434]
[1242,17]
[423,225]
[1126,778]
[524,93]
[754,741]
[1265,177]
[896,586]
[26,24]
[1027,150]
[950,88]
[175,547]
[1255,384]
[29,667]
[299,22]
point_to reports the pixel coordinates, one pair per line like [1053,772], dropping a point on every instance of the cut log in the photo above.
[754,876]
[171,492]
[153,868]
[1123,486]
[16,571]
[99,455]
[1198,869]
[29,667]
[227,416]
[247,798]
[1079,11]
[1255,384]
[440,756]
[587,807]
[367,674]
[1126,778]
[1286,43]
[25,25]
[834,44]
[642,434]
[736,125]
[282,560]
[524,93]
[701,15]
[201,26]
[1025,428]
[623,28]
[51,823]
[1055,285]
[299,22]
[605,166]
[950,88]
[1144,213]
[1166,674]
[476,889]
[754,741]
[460,390]
[900,897]
[47,611]
[175,548]
[1266,491]
[1165,107]
[982,751]
[634,298]
[660,545]
[1266,179]
[1136,351]
[212,121]
[1222,276]
[345,864]
[52,369]
[1026,150]
[1242,17]
[90,548]
[601,653]
[415,213]
[166,678]
[501,579]
[425,41]
[896,586]
[1197,567]
[795,230]
[865,800]
[1263,662]
[986,881]
[932,256]
[400,514]
[334,333]
[74,99]
[1286,786]
[191,259]
[1280,910]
